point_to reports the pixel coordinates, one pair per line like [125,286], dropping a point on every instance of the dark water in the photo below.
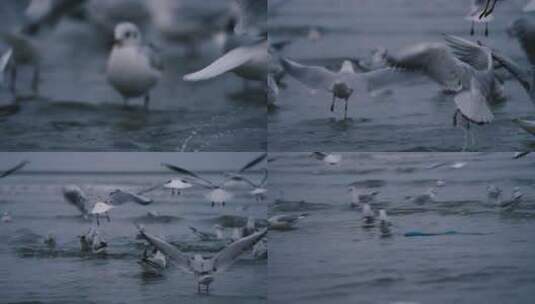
[411,118]
[30,272]
[329,257]
[77,110]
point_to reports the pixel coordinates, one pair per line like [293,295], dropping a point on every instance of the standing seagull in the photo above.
[133,68]
[16,168]
[204,269]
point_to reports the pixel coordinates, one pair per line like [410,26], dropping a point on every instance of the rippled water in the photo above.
[329,257]
[30,272]
[77,110]
[411,118]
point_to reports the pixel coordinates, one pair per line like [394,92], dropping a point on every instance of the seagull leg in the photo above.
[13,81]
[108,217]
[35,79]
[332,104]
[345,111]
[223,204]
[472,29]
[486,29]
[98,222]
[146,102]
[199,288]
[213,204]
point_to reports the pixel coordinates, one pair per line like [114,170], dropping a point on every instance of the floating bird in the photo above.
[494,194]
[154,263]
[367,216]
[285,221]
[6,217]
[481,12]
[344,83]
[16,168]
[520,154]
[384,224]
[205,236]
[93,242]
[217,194]
[328,158]
[359,197]
[204,269]
[50,241]
[428,197]
[133,68]
[511,204]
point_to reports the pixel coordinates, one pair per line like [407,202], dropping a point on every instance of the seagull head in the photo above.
[127,33]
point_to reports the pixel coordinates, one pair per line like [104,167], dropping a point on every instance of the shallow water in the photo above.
[29,271]
[330,257]
[411,118]
[77,110]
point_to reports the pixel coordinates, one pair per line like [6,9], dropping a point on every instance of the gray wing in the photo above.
[226,257]
[521,74]
[253,162]
[154,57]
[315,77]
[524,30]
[478,56]
[434,60]
[180,259]
[16,168]
[203,182]
[120,197]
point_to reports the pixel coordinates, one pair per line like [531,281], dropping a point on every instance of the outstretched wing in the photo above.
[315,77]
[14,169]
[120,197]
[180,259]
[253,162]
[478,56]
[182,171]
[227,256]
[228,62]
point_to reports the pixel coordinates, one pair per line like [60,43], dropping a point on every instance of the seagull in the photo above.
[462,67]
[153,264]
[133,68]
[529,7]
[217,194]
[367,216]
[284,221]
[93,242]
[119,197]
[259,191]
[6,217]
[358,197]
[516,199]
[527,125]
[204,269]
[481,12]
[23,45]
[328,158]
[384,223]
[16,168]
[101,208]
[494,194]
[76,197]
[343,83]
[249,165]
[209,236]
[428,197]
[518,155]
[50,241]
[177,185]
[260,250]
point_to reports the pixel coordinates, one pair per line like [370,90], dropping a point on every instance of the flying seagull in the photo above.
[16,168]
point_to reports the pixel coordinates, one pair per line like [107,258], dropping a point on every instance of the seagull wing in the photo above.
[521,74]
[120,197]
[154,57]
[228,255]
[473,104]
[434,60]
[14,169]
[478,56]
[4,63]
[524,31]
[205,183]
[527,125]
[228,62]
[253,162]
[252,15]
[315,77]
[150,189]
[180,259]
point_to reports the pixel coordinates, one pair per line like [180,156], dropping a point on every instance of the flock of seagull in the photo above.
[158,253]
[460,67]
[135,66]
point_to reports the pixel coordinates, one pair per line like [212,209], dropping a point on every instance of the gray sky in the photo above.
[124,161]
